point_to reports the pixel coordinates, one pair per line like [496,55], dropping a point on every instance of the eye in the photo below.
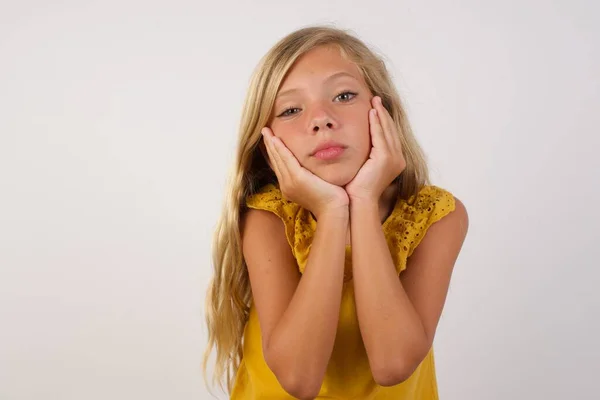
[343,97]
[288,111]
[346,96]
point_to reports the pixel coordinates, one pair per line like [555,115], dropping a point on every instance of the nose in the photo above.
[322,119]
[319,125]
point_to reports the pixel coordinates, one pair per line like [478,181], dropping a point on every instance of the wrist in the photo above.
[335,213]
[364,203]
[361,209]
[365,197]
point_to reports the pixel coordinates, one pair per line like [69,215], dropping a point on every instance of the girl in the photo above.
[334,254]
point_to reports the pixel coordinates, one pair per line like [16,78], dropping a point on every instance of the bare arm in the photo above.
[398,317]
[298,314]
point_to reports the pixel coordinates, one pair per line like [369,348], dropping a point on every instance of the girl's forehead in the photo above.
[319,71]
[321,61]
[299,83]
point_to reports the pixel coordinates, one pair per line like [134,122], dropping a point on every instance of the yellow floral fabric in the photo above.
[348,374]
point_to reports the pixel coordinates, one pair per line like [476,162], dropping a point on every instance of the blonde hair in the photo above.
[229,294]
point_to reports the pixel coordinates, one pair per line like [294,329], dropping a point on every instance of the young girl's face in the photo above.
[324,102]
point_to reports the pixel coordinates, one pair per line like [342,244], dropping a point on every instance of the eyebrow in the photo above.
[329,78]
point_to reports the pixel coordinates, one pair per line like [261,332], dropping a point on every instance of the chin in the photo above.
[339,178]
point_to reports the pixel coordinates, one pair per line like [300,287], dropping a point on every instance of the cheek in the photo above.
[360,132]
[290,138]
[357,117]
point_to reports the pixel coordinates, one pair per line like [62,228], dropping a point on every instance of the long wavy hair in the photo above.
[229,294]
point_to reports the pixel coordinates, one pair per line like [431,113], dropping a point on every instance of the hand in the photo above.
[299,184]
[386,160]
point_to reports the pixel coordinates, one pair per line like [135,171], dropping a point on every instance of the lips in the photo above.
[329,144]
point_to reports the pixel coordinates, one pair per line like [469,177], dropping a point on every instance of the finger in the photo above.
[377,135]
[287,163]
[265,143]
[286,156]
[392,136]
[283,168]
[267,134]
[389,127]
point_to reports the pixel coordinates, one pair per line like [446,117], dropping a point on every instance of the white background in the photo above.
[118,121]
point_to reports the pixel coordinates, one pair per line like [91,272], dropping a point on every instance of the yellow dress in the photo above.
[348,375]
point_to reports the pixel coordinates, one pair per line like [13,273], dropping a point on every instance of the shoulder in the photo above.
[264,194]
[441,214]
[264,234]
[263,211]
[452,226]
[270,198]
[269,213]
[442,241]
[433,201]
[442,203]
[430,204]
[261,226]
[460,215]
[433,212]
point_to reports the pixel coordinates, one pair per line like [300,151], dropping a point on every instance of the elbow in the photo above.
[299,387]
[393,372]
[391,376]
[390,371]
[297,382]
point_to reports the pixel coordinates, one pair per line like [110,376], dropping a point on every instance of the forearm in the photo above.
[304,337]
[391,329]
